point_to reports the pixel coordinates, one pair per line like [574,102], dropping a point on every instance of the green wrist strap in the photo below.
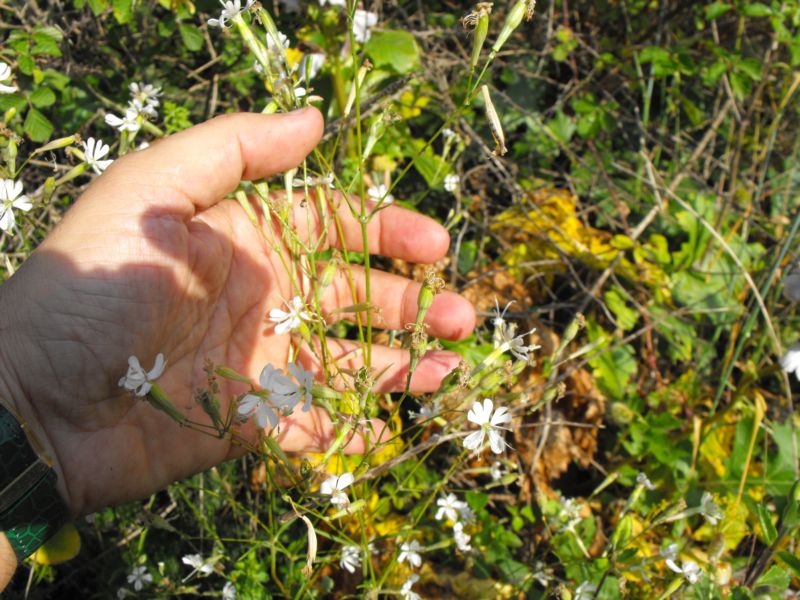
[31,510]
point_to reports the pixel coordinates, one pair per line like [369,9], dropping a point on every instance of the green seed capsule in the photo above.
[513,21]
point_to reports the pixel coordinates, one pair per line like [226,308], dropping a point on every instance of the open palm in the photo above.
[151,260]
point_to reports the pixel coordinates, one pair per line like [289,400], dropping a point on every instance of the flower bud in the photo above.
[621,414]
[56,144]
[324,392]
[481,29]
[513,20]
[228,373]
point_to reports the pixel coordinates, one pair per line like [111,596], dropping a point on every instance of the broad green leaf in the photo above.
[716,9]
[775,578]
[626,316]
[467,253]
[43,97]
[123,11]
[765,521]
[791,561]
[37,126]
[562,127]
[756,9]
[192,36]
[25,63]
[394,49]
[16,101]
[98,6]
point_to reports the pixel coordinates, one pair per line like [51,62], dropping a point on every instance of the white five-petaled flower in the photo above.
[279,394]
[144,93]
[585,591]
[94,151]
[406,593]
[130,122]
[451,182]
[790,362]
[229,591]
[334,487]
[409,551]
[305,380]
[449,507]
[670,552]
[380,192]
[139,382]
[273,46]
[351,558]
[363,22]
[710,509]
[230,8]
[462,539]
[504,337]
[139,577]
[198,564]
[489,421]
[427,411]
[287,321]
[11,197]
[689,569]
[644,480]
[5,75]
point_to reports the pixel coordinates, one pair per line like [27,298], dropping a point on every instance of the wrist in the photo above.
[8,561]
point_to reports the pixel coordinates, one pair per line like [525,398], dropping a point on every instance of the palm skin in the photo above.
[149,260]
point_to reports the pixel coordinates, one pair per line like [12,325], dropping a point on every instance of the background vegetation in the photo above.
[651,185]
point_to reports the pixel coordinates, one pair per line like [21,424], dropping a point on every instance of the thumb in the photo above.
[192,170]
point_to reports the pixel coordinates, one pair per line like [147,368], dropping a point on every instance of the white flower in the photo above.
[585,591]
[448,133]
[569,514]
[481,415]
[145,93]
[5,75]
[449,507]
[351,558]
[427,411]
[139,578]
[273,46]
[229,591]
[305,379]
[504,337]
[409,551]
[287,321]
[333,2]
[377,192]
[462,539]
[670,552]
[11,197]
[279,394]
[136,380]
[451,182]
[363,22]
[311,64]
[93,153]
[465,513]
[334,487]
[689,569]
[230,9]
[198,564]
[406,593]
[497,471]
[141,108]
[790,362]
[130,122]
[122,593]
[710,509]
[644,480]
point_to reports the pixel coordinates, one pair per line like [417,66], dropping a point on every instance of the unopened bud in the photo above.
[481,17]
[513,20]
[578,323]
[324,392]
[210,405]
[56,144]
[621,413]
[228,373]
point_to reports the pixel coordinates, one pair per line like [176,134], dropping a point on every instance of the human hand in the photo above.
[151,259]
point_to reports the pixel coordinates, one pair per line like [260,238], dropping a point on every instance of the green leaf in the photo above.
[192,36]
[98,6]
[750,67]
[46,40]
[467,254]
[626,316]
[123,11]
[43,97]
[716,9]
[791,561]
[394,49]
[562,127]
[37,126]
[26,63]
[8,101]
[774,578]
[765,521]
[756,9]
